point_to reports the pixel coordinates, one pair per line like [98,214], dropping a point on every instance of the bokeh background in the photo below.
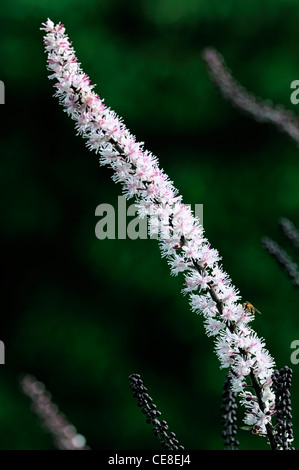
[81,314]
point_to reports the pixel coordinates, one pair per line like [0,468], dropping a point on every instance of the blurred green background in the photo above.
[82,314]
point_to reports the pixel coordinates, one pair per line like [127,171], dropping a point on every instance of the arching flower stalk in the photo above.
[181,237]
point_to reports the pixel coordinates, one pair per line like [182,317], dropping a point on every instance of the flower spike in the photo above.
[181,237]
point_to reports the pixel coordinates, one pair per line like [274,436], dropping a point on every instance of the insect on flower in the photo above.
[248,307]
[254,429]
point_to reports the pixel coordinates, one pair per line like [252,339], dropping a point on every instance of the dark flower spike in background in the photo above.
[290,231]
[149,409]
[279,254]
[229,416]
[282,381]
[64,434]
[239,97]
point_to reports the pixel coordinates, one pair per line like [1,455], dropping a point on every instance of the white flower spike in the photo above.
[181,238]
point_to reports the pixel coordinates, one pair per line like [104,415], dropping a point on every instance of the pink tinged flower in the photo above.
[264,364]
[252,412]
[203,281]
[267,382]
[203,304]
[242,367]
[195,281]
[226,360]
[183,219]
[262,419]
[155,228]
[71,104]
[213,326]
[228,293]
[209,256]
[108,155]
[228,314]
[192,247]
[55,63]
[122,171]
[241,320]
[191,284]
[235,338]
[177,264]
[81,82]
[144,208]
[164,212]
[251,343]
[268,396]
[224,350]
[131,187]
[238,385]
[151,190]
[190,251]
[83,122]
[194,233]
[95,142]
[169,248]
[219,276]
[48,25]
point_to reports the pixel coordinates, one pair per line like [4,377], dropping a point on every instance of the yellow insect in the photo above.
[254,429]
[248,307]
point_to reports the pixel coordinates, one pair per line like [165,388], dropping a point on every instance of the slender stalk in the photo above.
[240,98]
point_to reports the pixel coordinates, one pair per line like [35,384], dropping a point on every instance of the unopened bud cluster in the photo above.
[282,381]
[229,416]
[145,402]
